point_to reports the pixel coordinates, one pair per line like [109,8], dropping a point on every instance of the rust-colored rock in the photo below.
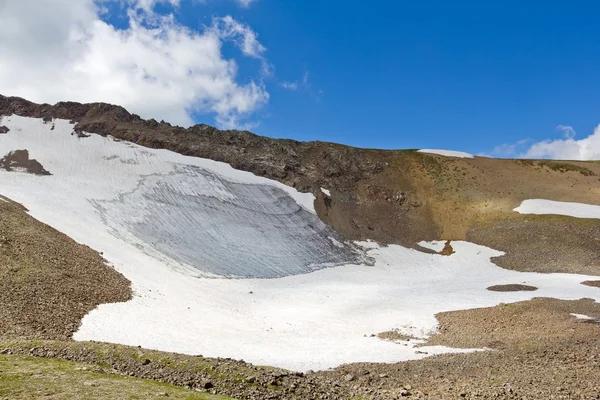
[447,250]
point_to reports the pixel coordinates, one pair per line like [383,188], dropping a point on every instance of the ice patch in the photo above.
[540,206]
[447,153]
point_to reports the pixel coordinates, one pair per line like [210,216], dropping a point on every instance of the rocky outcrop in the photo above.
[19,160]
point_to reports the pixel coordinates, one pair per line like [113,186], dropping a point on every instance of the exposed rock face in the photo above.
[19,160]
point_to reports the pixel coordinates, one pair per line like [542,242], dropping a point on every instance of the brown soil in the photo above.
[389,196]
[19,159]
[536,323]
[542,352]
[542,243]
[513,287]
[395,335]
[48,282]
[591,283]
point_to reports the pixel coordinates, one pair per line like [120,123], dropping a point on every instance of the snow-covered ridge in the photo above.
[163,219]
[447,153]
[540,206]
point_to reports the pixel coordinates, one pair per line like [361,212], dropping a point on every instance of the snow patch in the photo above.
[326,192]
[540,206]
[447,153]
[584,317]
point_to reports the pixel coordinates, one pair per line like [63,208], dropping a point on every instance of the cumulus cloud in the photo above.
[564,148]
[244,37]
[63,50]
[567,148]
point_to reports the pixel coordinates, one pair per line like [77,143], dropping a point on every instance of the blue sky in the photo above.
[482,77]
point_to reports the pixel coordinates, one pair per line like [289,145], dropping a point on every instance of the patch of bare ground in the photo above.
[19,160]
[512,287]
[591,283]
[4,129]
[48,282]
[542,243]
[538,322]
[395,335]
[542,352]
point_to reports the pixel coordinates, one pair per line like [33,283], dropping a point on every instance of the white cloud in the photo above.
[245,3]
[568,131]
[245,38]
[290,85]
[568,148]
[55,50]
[295,85]
[147,5]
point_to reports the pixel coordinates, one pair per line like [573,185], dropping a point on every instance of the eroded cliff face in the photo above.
[399,196]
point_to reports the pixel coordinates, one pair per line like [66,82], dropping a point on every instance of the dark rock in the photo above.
[19,159]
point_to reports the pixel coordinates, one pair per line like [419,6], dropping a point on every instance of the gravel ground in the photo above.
[542,243]
[591,283]
[48,282]
[514,287]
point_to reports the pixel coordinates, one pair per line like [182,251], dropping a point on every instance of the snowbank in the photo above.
[447,153]
[539,206]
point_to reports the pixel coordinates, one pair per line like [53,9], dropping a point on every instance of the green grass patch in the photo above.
[559,166]
[24,377]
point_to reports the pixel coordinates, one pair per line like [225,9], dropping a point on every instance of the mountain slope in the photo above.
[390,196]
